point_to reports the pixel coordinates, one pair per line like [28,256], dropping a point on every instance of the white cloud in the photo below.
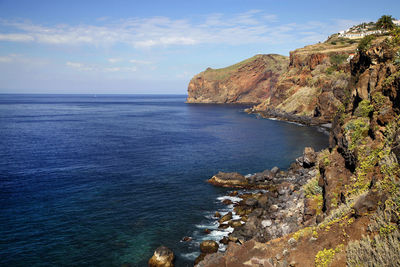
[6,59]
[79,66]
[98,68]
[141,62]
[114,60]
[15,37]
[253,26]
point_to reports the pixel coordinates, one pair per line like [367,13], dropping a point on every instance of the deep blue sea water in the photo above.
[102,181]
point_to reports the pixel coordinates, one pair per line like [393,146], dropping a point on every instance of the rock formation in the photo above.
[163,257]
[340,206]
[249,81]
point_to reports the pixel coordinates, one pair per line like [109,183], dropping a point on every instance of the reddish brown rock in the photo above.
[249,81]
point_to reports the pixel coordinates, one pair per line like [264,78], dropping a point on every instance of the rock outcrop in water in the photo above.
[341,206]
[163,257]
[249,81]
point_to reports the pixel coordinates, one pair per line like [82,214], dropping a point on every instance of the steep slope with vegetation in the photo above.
[352,203]
[249,81]
[312,88]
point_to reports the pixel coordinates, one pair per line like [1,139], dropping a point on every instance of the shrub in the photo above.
[381,250]
[311,188]
[364,109]
[330,70]
[357,129]
[325,257]
[365,43]
[338,59]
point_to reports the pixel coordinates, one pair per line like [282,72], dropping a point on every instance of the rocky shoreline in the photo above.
[276,206]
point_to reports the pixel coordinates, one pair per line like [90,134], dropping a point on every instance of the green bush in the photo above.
[311,188]
[358,130]
[338,59]
[364,109]
[365,43]
[330,70]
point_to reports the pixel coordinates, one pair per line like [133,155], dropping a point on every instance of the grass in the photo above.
[275,63]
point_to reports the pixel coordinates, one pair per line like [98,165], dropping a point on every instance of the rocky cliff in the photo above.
[348,210]
[312,88]
[249,81]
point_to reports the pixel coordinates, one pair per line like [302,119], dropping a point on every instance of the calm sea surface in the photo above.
[102,181]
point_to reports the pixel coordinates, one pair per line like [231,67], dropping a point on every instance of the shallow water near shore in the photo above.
[105,180]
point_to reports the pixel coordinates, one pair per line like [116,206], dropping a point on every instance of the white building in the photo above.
[396,22]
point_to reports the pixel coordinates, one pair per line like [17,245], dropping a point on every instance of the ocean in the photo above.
[104,180]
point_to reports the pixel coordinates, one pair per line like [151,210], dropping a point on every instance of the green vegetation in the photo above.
[365,43]
[383,249]
[385,22]
[397,58]
[364,109]
[311,188]
[389,80]
[357,129]
[276,63]
[326,256]
[379,100]
[395,33]
[337,59]
[377,251]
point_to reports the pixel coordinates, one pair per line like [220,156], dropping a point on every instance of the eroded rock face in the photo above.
[249,81]
[163,257]
[312,89]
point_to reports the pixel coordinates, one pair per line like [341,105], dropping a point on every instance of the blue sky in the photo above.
[155,46]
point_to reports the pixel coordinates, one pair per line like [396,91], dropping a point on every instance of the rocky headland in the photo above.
[247,82]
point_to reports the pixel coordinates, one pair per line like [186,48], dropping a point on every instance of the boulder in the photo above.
[162,257]
[225,218]
[228,179]
[235,223]
[234,193]
[263,202]
[227,202]
[186,239]
[252,202]
[209,246]
[266,223]
[274,170]
[309,157]
[368,202]
[217,214]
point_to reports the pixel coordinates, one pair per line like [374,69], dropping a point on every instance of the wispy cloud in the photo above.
[79,66]
[141,62]
[253,26]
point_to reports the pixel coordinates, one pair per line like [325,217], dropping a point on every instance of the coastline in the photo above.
[263,206]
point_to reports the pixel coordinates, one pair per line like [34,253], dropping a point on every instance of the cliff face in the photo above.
[308,87]
[312,88]
[352,205]
[249,81]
